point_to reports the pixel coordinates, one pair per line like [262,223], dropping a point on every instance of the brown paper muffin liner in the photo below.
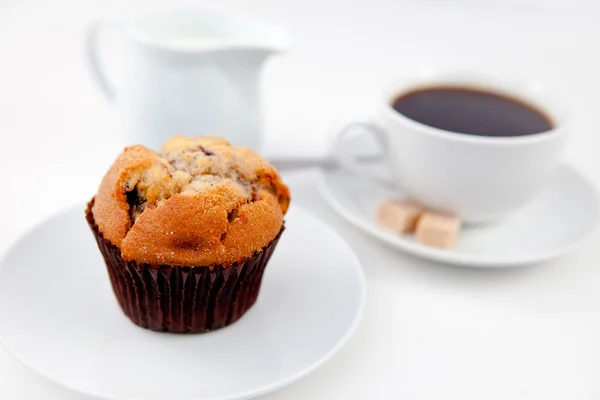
[181,299]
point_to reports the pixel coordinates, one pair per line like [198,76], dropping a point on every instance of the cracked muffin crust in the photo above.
[199,201]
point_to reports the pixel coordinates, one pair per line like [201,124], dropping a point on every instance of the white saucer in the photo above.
[59,317]
[554,223]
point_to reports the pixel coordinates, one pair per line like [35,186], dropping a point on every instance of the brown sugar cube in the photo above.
[399,216]
[438,230]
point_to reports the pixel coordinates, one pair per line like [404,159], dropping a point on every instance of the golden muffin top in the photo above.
[197,202]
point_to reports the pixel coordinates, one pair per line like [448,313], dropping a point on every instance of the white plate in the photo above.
[59,317]
[554,223]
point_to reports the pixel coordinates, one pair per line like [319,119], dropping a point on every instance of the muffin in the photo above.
[186,233]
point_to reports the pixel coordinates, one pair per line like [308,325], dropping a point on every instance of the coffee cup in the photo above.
[478,175]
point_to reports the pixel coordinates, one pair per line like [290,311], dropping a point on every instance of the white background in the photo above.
[429,331]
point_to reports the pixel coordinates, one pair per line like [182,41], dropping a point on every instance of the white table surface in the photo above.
[429,331]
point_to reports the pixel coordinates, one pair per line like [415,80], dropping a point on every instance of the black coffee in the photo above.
[472,112]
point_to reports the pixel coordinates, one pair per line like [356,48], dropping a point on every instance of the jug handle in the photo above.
[93,57]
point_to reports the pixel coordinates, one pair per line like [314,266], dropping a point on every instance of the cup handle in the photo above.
[352,164]
[93,57]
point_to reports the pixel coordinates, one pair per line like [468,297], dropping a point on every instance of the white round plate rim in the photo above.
[449,257]
[341,342]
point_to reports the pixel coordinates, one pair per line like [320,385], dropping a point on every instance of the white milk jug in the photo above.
[188,71]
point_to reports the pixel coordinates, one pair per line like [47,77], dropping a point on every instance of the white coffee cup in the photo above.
[482,179]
